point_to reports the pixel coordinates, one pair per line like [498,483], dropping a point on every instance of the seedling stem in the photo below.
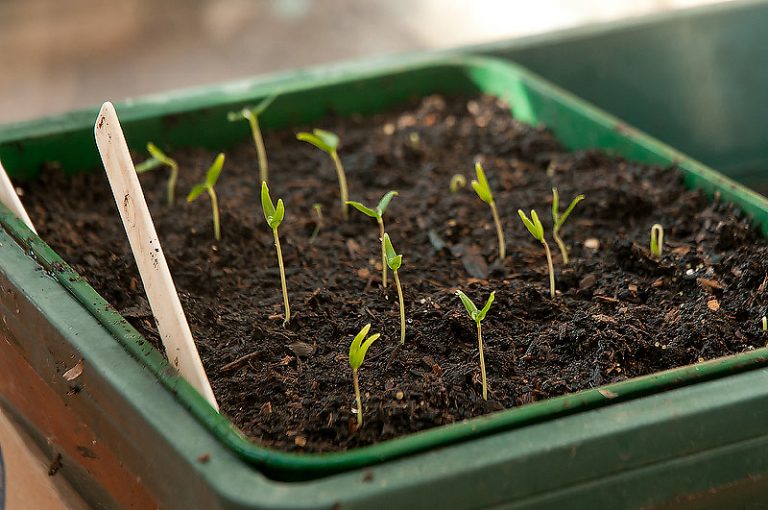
[357,350]
[657,240]
[394,261]
[558,220]
[329,143]
[158,158]
[378,213]
[252,116]
[274,216]
[480,185]
[478,316]
[536,229]
[211,177]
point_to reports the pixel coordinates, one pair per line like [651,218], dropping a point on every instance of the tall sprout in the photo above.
[378,214]
[252,116]
[274,216]
[159,158]
[480,185]
[558,220]
[329,143]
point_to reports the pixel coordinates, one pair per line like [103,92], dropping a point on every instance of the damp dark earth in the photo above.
[619,313]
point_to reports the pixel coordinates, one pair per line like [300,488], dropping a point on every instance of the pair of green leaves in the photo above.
[378,212]
[360,345]
[394,261]
[474,313]
[323,140]
[211,177]
[158,158]
[533,225]
[273,214]
[558,218]
[480,185]
[251,112]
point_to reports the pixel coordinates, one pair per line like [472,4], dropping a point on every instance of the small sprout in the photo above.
[159,158]
[765,323]
[483,191]
[274,216]
[536,229]
[209,185]
[329,143]
[394,261]
[657,240]
[252,116]
[478,316]
[318,208]
[357,350]
[558,220]
[457,181]
[378,213]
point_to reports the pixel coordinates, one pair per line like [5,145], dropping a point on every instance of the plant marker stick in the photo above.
[11,200]
[153,268]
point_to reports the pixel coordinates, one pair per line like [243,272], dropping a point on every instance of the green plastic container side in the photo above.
[177,119]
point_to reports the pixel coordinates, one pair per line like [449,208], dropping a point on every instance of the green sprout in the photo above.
[252,116]
[318,208]
[159,158]
[274,216]
[558,220]
[394,261]
[657,240]
[483,191]
[357,350]
[536,229]
[378,213]
[208,185]
[457,181]
[328,143]
[765,323]
[478,316]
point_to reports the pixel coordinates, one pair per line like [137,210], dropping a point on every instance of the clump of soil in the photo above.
[618,314]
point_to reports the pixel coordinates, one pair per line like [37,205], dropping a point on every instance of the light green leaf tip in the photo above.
[468,304]
[212,176]
[533,225]
[358,348]
[363,209]
[394,261]
[384,202]
[196,191]
[273,215]
[480,185]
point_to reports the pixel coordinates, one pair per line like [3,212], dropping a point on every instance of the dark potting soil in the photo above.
[618,314]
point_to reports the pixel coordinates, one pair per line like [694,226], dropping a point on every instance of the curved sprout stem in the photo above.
[561,245]
[499,232]
[342,183]
[359,400]
[551,269]
[402,308]
[282,277]
[258,140]
[215,211]
[383,253]
[482,359]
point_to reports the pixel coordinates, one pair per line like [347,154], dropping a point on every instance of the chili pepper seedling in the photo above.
[765,323]
[536,229]
[209,185]
[329,143]
[394,261]
[483,191]
[657,240]
[318,208]
[274,216]
[558,220]
[157,159]
[378,213]
[478,316]
[457,181]
[357,350]
[252,116]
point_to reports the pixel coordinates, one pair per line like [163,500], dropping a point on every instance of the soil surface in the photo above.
[618,312]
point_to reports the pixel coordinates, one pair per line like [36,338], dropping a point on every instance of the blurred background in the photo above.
[58,56]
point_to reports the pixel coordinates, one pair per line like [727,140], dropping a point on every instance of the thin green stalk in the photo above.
[561,245]
[259,142]
[383,254]
[551,269]
[359,400]
[172,183]
[342,183]
[499,232]
[282,277]
[482,360]
[215,208]
[402,308]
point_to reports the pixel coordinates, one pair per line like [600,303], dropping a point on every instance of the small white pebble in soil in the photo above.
[592,243]
[399,395]
[389,129]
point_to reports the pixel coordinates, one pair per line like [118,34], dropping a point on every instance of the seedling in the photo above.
[536,229]
[357,350]
[318,208]
[478,316]
[159,158]
[558,220]
[378,213]
[328,143]
[483,191]
[394,261]
[657,240]
[458,181]
[209,185]
[274,216]
[252,116]
[765,323]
